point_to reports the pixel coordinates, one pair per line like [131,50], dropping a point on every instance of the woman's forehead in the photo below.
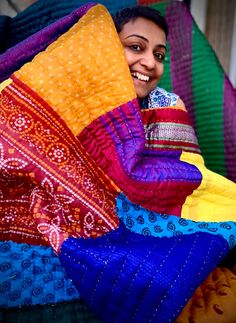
[145,28]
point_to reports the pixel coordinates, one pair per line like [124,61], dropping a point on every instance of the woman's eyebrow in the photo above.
[162,46]
[139,36]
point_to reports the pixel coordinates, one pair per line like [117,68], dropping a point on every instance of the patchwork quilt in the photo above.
[134,229]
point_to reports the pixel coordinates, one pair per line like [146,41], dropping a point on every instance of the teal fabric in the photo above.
[43,13]
[145,222]
[65,312]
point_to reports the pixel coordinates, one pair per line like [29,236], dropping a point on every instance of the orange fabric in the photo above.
[214,301]
[89,53]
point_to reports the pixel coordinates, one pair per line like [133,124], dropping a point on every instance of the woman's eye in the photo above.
[135,47]
[159,57]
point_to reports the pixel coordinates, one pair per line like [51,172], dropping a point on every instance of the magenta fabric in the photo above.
[229,128]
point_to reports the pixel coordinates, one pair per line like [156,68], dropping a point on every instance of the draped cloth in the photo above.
[73,146]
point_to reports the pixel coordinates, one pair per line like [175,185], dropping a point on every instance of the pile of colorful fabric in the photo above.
[92,212]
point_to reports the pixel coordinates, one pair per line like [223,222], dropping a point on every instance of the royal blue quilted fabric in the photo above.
[126,277]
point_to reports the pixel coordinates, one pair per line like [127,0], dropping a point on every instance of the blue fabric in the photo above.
[127,277]
[145,222]
[31,275]
[159,98]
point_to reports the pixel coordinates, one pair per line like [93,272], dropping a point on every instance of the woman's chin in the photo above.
[141,94]
[142,88]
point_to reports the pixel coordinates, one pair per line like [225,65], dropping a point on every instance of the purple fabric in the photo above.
[124,126]
[229,128]
[180,21]
[23,52]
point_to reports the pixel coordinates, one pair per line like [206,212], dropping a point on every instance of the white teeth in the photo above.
[140,76]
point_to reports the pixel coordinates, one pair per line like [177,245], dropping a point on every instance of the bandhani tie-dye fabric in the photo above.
[73,143]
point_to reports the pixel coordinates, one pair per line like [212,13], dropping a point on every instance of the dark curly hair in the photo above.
[125,15]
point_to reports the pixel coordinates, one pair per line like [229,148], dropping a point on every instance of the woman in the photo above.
[73,150]
[143,33]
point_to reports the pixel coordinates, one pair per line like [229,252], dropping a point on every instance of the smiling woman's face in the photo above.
[145,48]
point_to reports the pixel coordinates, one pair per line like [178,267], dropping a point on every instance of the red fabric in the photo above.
[58,187]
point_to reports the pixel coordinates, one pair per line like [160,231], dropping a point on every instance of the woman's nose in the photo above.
[148,60]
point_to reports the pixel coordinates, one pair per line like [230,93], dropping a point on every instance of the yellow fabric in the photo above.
[90,48]
[214,301]
[215,198]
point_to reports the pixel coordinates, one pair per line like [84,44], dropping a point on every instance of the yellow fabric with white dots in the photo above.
[83,74]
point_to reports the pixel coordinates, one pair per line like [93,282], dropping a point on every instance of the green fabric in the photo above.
[208,91]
